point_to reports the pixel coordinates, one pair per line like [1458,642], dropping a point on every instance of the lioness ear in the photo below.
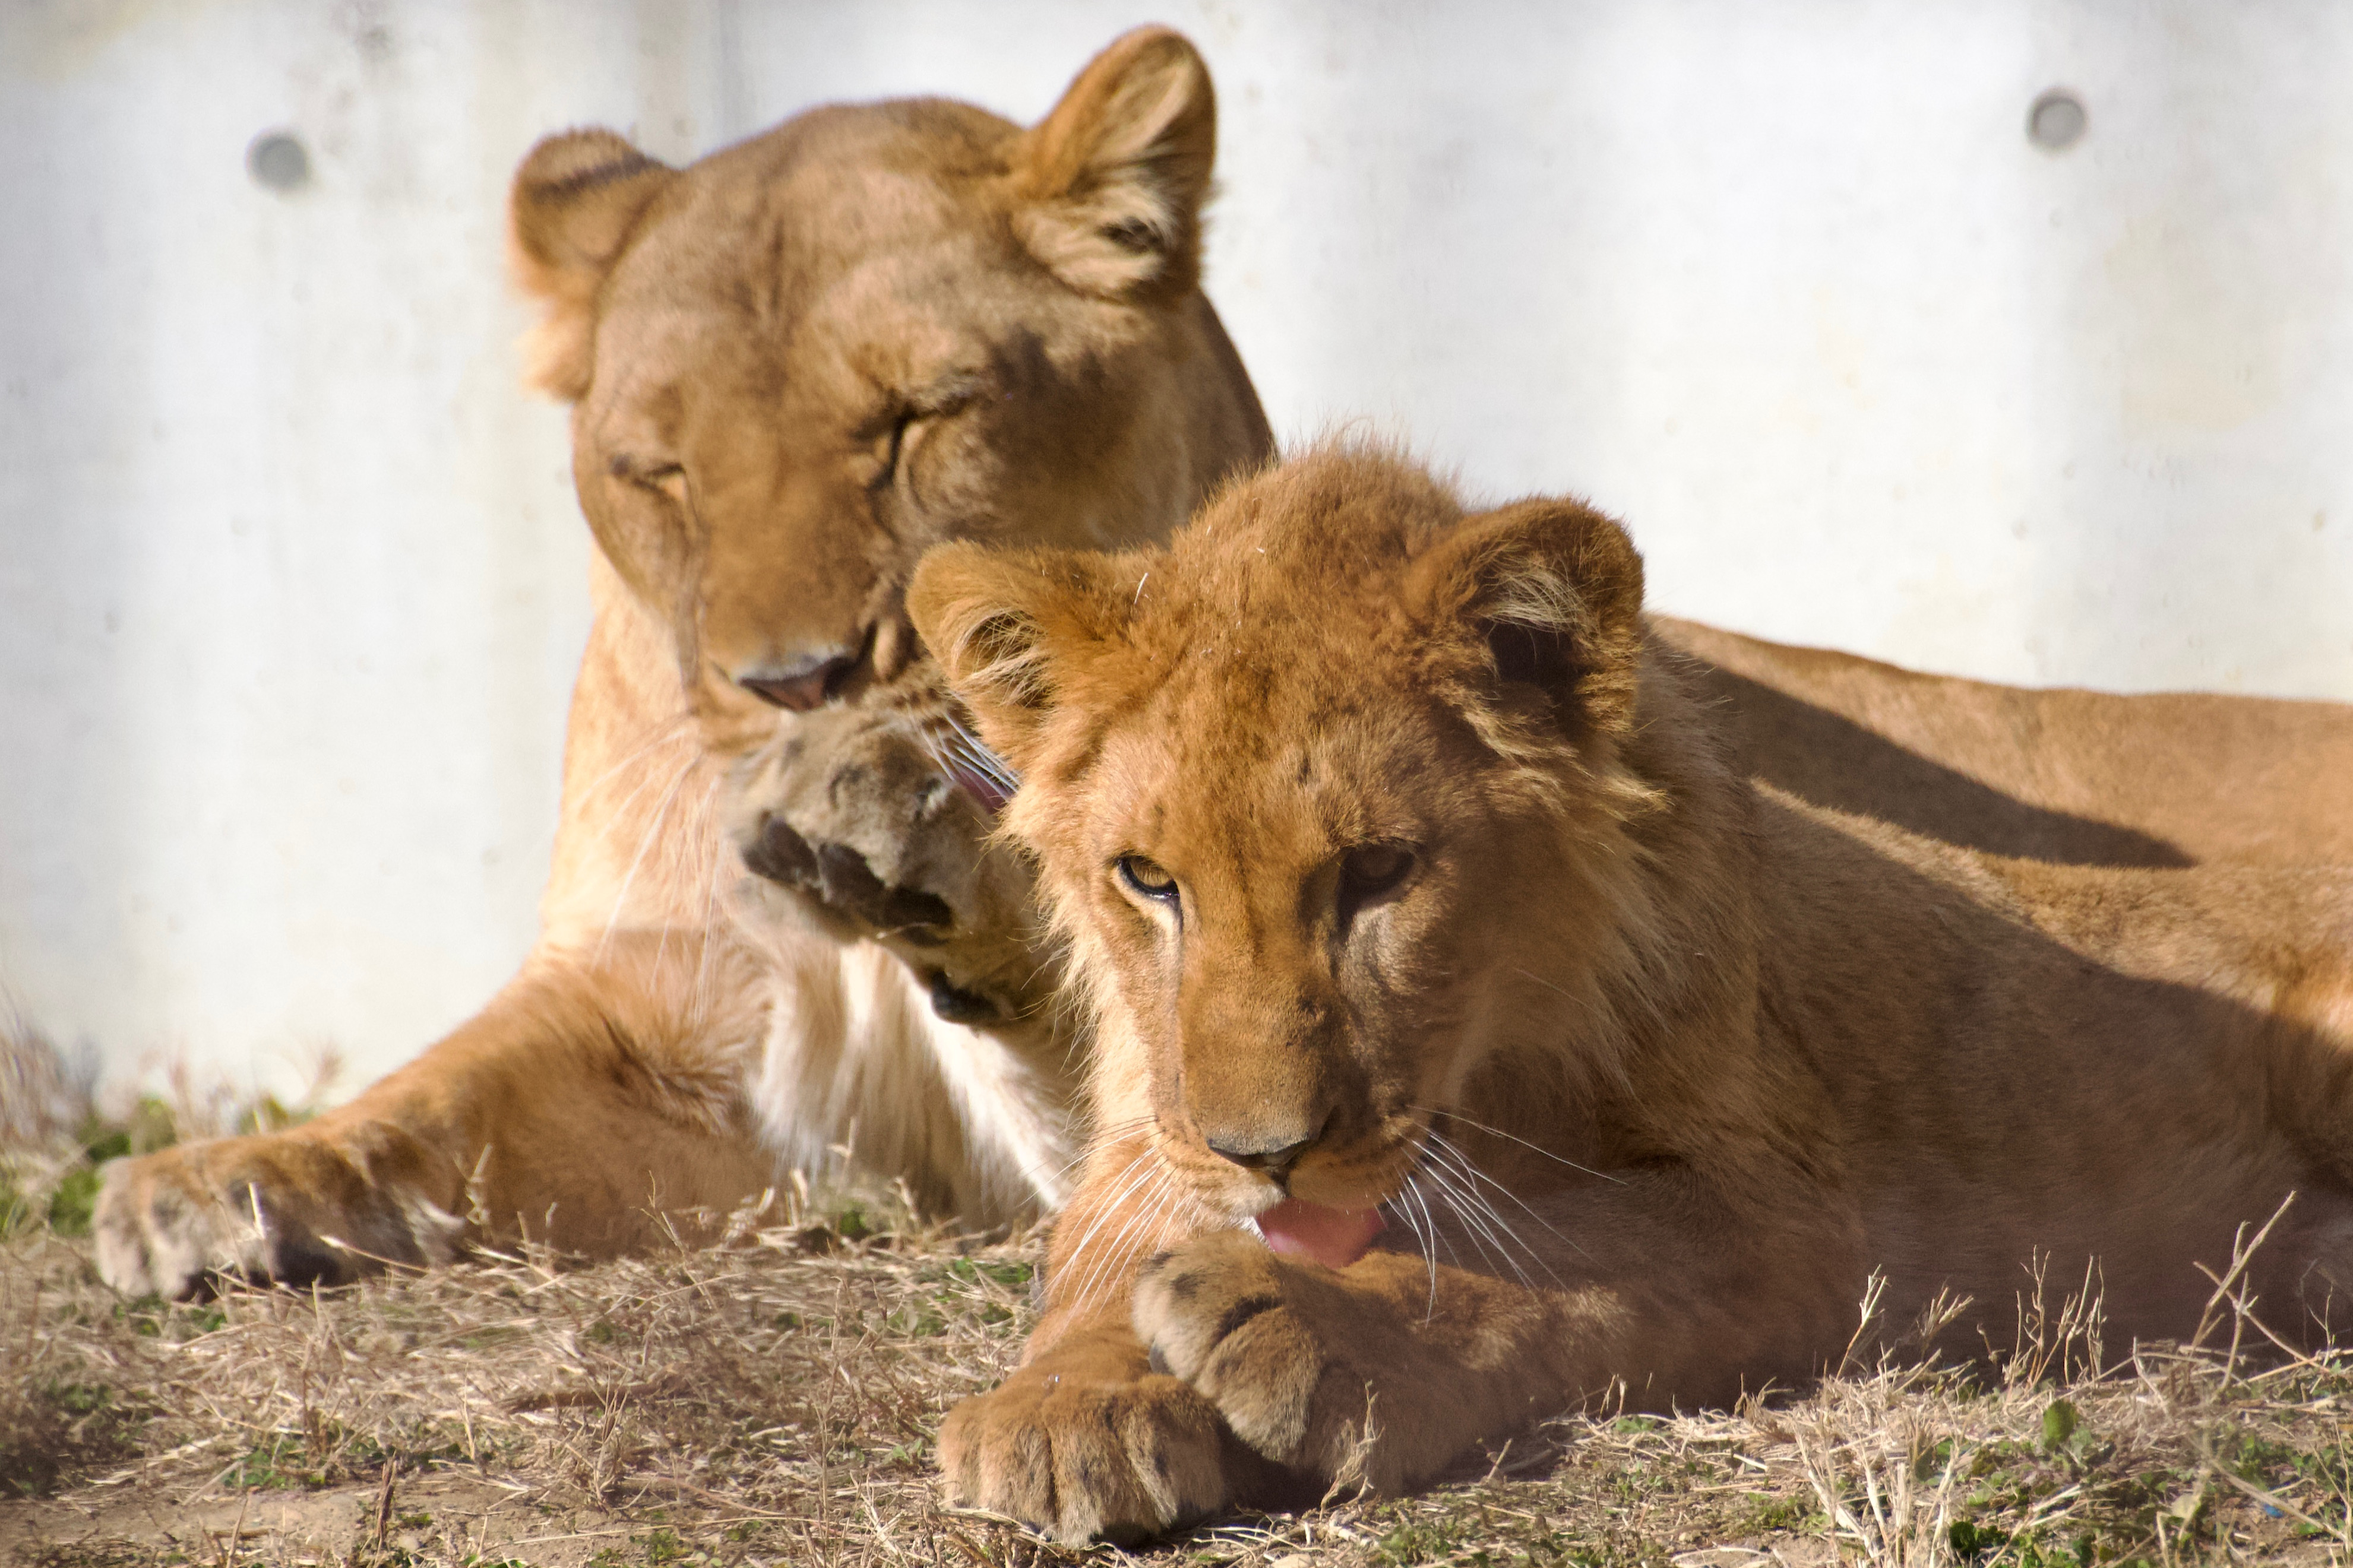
[576,198]
[1112,182]
[1008,628]
[1553,591]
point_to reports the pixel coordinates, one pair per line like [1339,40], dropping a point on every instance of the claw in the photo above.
[961,1006]
[839,878]
[782,855]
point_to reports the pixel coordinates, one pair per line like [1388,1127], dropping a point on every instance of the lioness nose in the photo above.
[803,684]
[1275,1160]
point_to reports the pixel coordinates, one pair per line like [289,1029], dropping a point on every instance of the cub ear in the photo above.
[1553,591]
[577,197]
[1009,629]
[1112,182]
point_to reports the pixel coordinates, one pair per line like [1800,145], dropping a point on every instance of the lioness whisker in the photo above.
[697,823]
[961,751]
[645,843]
[939,752]
[981,755]
[977,758]
[646,780]
[679,729]
[700,1009]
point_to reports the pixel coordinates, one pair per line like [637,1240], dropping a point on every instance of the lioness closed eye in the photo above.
[1471,1036]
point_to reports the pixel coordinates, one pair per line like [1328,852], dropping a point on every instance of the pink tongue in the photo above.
[1333,1238]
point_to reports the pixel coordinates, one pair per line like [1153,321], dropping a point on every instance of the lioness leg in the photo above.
[588,1098]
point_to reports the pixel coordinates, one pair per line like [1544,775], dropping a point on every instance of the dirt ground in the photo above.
[774,1399]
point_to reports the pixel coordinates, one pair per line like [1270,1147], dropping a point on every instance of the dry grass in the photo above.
[775,1398]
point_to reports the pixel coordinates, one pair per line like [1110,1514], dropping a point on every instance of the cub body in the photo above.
[1411,875]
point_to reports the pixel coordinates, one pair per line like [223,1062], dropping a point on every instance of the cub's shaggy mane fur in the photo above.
[1406,864]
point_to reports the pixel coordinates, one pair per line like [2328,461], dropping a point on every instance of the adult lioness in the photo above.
[1406,870]
[793,366]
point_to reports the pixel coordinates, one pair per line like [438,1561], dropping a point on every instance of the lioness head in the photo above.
[801,361]
[1306,787]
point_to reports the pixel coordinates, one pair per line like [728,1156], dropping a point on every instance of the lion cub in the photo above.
[1472,1037]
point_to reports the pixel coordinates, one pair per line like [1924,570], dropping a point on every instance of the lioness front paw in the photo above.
[1266,1342]
[292,1208]
[1088,1444]
[851,814]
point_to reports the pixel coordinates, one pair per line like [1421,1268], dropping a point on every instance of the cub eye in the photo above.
[1368,872]
[1145,877]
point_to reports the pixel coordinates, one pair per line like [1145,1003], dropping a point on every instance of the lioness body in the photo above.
[1405,865]
[2080,777]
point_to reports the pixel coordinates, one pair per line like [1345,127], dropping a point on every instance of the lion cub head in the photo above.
[1308,788]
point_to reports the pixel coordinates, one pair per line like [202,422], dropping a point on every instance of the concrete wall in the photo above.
[290,579]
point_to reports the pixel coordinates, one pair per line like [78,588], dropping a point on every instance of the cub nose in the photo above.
[801,684]
[1262,1153]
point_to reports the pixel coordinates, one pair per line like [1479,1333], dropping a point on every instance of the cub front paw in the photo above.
[1088,1444]
[1266,1342]
[292,1208]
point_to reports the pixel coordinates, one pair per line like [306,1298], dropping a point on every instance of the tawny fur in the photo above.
[2087,778]
[739,339]
[1654,1066]
[793,366]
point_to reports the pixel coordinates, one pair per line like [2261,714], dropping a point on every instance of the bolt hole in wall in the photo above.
[1847,305]
[277,162]
[2057,121]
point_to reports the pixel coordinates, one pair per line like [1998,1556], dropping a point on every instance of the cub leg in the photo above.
[1091,1443]
[1086,1440]
[1381,1374]
[585,1097]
